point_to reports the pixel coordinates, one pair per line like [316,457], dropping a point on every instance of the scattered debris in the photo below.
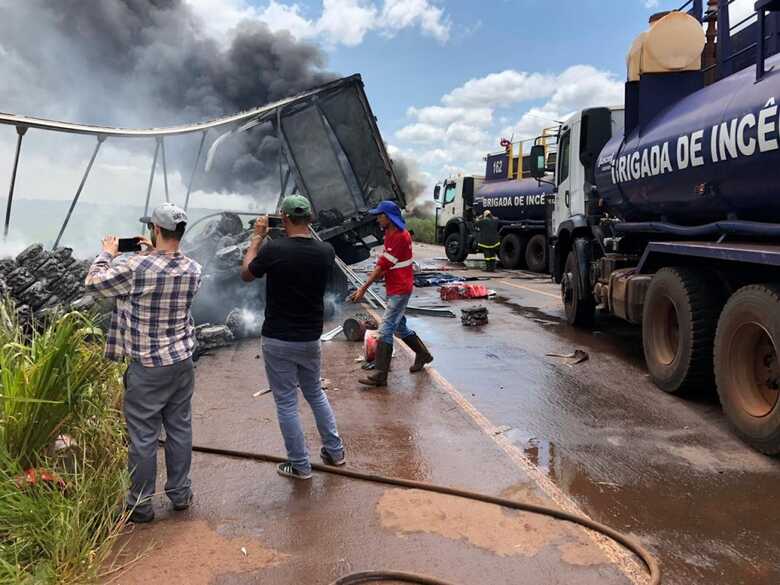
[501,430]
[449,292]
[213,336]
[262,392]
[577,355]
[474,316]
[244,323]
[332,334]
[355,327]
[425,279]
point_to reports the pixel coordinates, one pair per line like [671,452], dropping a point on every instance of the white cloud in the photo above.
[400,14]
[651,3]
[501,89]
[420,133]
[345,22]
[455,136]
[578,87]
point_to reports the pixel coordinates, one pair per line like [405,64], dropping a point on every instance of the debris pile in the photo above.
[220,244]
[212,336]
[450,292]
[42,281]
[474,316]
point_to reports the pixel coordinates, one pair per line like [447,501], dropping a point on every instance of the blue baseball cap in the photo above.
[392,211]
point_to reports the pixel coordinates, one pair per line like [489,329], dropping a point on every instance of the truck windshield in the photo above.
[449,193]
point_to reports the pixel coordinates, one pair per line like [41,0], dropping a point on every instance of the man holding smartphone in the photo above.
[151,327]
[297,270]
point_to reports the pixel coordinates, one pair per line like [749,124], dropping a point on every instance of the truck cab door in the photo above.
[562,207]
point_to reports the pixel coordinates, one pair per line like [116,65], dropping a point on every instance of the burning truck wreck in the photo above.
[333,154]
[329,150]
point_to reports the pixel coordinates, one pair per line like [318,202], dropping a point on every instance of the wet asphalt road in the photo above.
[496,415]
[663,468]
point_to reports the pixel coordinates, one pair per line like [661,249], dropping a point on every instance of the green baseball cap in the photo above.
[296,206]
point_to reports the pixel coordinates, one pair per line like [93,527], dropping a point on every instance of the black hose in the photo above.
[372,576]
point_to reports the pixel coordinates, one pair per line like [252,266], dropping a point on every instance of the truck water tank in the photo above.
[711,155]
[513,200]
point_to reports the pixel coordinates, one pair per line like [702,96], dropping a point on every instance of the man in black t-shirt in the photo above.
[297,270]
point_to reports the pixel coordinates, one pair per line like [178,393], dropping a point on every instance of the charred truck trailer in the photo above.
[518,203]
[669,217]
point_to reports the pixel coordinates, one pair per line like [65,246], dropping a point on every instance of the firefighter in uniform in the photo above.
[488,240]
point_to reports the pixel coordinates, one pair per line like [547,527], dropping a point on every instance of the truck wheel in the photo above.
[747,371]
[512,251]
[579,312]
[455,248]
[678,328]
[536,253]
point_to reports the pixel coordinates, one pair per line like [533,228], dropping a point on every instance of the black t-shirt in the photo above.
[297,271]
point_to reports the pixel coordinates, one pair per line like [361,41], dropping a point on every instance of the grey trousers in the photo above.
[154,397]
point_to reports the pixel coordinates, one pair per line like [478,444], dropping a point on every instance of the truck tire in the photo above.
[455,248]
[747,371]
[579,311]
[678,329]
[512,251]
[536,253]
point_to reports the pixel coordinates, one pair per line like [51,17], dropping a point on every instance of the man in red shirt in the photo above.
[395,264]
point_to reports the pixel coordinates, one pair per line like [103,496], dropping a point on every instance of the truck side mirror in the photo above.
[596,130]
[436,192]
[537,162]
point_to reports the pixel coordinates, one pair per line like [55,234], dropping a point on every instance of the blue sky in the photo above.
[448,78]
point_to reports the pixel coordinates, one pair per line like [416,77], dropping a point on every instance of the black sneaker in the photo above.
[327,459]
[288,470]
[185,505]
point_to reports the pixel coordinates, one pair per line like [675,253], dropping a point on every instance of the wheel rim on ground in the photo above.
[755,369]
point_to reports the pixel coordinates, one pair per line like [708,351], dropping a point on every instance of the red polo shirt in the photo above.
[396,261]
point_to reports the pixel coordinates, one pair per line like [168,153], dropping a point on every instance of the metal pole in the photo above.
[20,130]
[282,180]
[194,170]
[165,170]
[100,140]
[725,66]
[151,177]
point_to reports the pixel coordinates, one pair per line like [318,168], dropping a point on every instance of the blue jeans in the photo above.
[394,320]
[288,365]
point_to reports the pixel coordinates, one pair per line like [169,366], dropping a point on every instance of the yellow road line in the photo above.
[528,288]
[619,556]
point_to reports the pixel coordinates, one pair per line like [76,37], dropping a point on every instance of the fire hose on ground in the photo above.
[385,575]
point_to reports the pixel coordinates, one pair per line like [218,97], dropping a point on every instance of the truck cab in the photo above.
[580,140]
[454,198]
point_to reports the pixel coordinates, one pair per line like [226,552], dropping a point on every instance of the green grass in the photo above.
[424,229]
[56,382]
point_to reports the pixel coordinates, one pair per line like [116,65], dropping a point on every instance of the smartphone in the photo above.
[129,244]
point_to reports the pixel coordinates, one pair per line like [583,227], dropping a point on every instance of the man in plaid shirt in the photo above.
[152,328]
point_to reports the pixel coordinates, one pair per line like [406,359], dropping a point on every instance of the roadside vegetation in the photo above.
[62,450]
[424,229]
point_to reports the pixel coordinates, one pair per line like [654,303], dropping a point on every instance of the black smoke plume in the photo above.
[142,63]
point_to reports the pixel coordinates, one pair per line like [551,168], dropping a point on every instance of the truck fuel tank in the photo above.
[712,154]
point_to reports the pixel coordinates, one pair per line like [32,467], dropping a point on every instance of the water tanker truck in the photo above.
[516,200]
[667,213]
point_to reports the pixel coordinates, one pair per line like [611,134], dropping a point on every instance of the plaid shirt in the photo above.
[151,321]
